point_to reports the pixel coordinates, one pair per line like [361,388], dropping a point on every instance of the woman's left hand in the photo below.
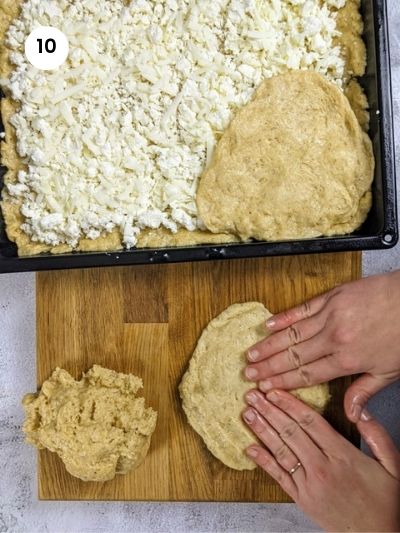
[332,481]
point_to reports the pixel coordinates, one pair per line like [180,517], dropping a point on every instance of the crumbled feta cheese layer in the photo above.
[119,135]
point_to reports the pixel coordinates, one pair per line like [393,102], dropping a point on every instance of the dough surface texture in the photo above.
[213,388]
[294,163]
[96,425]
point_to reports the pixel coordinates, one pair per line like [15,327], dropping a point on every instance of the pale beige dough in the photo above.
[294,163]
[97,425]
[213,388]
[359,103]
[350,25]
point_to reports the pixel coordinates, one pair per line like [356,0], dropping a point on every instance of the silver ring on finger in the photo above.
[295,468]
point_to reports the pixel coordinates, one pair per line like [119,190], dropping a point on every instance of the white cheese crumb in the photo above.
[119,135]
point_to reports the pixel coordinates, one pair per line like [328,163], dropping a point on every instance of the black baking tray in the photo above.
[380,231]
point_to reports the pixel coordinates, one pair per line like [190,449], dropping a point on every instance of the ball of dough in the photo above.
[214,386]
[294,163]
[96,425]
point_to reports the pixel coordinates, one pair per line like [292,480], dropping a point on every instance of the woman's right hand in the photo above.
[351,329]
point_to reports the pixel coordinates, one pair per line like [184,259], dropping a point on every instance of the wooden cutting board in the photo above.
[146,320]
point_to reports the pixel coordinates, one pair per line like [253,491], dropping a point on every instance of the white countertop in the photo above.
[20,510]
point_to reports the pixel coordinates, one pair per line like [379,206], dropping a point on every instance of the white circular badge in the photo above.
[46,48]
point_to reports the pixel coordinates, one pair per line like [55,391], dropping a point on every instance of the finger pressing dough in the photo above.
[214,386]
[294,163]
[96,425]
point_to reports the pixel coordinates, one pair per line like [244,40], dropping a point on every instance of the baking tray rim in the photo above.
[195,254]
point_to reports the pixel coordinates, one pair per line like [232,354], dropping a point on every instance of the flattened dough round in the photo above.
[213,388]
[294,163]
[96,425]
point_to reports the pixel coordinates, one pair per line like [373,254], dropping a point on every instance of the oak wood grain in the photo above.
[146,320]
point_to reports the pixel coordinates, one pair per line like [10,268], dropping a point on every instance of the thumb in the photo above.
[359,392]
[380,443]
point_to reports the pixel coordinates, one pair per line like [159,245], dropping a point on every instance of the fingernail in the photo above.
[365,415]
[356,411]
[249,416]
[251,373]
[270,323]
[251,397]
[252,452]
[273,397]
[253,354]
[266,385]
